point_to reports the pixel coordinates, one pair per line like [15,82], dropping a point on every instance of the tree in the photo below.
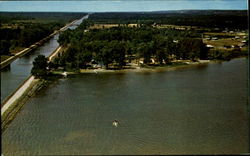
[145,50]
[204,52]
[83,58]
[39,68]
[64,37]
[106,56]
[4,47]
[118,52]
[161,56]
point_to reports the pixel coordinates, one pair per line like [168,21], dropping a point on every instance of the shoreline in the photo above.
[136,68]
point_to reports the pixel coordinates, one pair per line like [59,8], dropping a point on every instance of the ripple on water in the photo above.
[191,111]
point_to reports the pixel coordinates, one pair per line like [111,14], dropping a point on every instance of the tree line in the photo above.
[231,19]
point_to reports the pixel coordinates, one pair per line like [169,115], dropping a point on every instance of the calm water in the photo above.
[198,110]
[19,70]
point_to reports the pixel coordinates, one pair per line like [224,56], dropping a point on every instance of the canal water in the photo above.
[19,70]
[196,110]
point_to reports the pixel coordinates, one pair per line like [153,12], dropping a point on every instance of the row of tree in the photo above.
[24,37]
[232,19]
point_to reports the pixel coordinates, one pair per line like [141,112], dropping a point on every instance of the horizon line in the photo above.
[134,11]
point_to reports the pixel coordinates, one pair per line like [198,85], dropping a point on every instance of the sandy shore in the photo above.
[136,68]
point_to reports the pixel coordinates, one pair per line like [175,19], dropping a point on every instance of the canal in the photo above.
[196,110]
[19,70]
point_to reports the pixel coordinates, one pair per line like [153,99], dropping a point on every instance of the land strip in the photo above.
[32,47]
[10,110]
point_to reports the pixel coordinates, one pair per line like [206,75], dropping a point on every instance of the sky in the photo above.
[121,5]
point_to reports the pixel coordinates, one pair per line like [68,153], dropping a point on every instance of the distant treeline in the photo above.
[64,17]
[11,38]
[232,19]
[23,29]
[119,45]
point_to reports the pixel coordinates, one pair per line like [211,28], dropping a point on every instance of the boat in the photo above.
[115,123]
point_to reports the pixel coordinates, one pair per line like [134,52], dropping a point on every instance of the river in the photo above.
[19,70]
[196,110]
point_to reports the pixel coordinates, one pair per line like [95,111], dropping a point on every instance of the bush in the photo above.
[40,67]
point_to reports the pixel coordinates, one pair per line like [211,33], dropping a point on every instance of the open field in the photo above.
[221,43]
[103,26]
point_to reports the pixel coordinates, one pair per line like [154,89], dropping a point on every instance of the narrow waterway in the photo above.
[19,70]
[197,110]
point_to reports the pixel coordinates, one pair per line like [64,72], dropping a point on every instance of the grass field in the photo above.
[220,43]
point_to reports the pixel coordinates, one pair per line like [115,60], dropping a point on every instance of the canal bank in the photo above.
[14,74]
[14,102]
[6,62]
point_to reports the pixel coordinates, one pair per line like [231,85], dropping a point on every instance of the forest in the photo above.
[231,19]
[120,45]
[21,29]
[145,41]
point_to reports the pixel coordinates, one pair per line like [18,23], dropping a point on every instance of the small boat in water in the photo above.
[115,123]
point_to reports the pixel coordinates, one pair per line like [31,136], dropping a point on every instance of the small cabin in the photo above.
[209,46]
[214,38]
[175,41]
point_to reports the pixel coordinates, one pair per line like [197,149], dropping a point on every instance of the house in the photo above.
[235,46]
[214,38]
[209,46]
[152,60]
[175,41]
